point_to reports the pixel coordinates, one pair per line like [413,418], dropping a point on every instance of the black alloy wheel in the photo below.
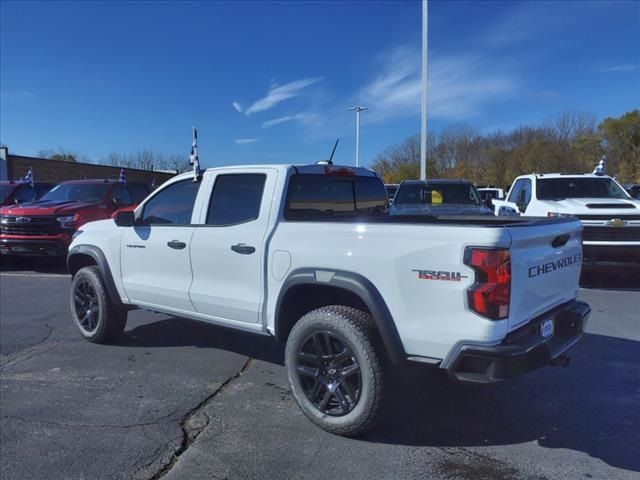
[86,306]
[329,373]
[94,313]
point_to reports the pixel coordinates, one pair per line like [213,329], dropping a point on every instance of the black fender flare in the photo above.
[358,285]
[101,261]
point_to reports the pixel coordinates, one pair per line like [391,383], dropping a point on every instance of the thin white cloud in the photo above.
[627,67]
[237,106]
[303,118]
[459,86]
[246,141]
[276,95]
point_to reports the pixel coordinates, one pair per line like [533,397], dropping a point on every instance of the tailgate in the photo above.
[546,260]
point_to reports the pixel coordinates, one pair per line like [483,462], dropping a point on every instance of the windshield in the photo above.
[5,191]
[82,192]
[437,194]
[572,187]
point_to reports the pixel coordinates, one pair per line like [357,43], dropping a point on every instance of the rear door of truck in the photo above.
[228,247]
[546,260]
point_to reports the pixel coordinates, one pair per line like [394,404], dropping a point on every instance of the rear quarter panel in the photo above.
[430,315]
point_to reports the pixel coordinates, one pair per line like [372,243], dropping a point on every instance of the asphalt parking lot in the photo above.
[182,400]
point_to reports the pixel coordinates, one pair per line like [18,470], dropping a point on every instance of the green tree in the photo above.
[622,145]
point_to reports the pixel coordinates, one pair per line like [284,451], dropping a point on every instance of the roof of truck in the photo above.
[314,168]
[568,175]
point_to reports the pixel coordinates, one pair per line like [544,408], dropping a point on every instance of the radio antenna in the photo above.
[333,151]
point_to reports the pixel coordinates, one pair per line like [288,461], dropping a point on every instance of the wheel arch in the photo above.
[320,287]
[87,255]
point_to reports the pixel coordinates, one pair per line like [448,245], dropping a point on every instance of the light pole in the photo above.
[358,109]
[423,129]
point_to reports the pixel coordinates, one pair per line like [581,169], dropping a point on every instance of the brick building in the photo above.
[14,167]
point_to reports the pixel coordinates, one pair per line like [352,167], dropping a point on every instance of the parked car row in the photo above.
[610,213]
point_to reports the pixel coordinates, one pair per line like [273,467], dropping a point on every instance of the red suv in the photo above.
[45,227]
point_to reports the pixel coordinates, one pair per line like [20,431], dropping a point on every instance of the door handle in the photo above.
[176,244]
[243,249]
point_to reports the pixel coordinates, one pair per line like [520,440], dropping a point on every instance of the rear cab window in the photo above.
[316,197]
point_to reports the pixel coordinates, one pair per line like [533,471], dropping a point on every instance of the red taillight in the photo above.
[489,295]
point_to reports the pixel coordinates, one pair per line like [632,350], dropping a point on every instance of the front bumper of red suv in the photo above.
[41,246]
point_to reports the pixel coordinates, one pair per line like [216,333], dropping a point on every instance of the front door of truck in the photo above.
[155,261]
[227,249]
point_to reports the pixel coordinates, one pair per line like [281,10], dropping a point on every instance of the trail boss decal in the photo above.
[548,267]
[439,275]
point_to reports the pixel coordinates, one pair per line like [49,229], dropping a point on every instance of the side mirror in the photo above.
[507,211]
[125,219]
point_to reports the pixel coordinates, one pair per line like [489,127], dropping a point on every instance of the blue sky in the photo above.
[270,82]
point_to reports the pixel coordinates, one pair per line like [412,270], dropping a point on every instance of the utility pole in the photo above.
[423,130]
[358,109]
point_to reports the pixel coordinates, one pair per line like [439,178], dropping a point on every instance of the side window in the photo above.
[235,199]
[171,206]
[121,194]
[515,191]
[137,191]
[25,193]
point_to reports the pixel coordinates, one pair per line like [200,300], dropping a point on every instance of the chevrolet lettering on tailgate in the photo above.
[548,267]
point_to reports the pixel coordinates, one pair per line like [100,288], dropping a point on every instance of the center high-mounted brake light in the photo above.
[340,171]
[490,294]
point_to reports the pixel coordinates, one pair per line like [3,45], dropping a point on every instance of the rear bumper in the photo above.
[524,349]
[42,247]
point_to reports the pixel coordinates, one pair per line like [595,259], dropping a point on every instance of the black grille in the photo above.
[610,205]
[36,226]
[611,234]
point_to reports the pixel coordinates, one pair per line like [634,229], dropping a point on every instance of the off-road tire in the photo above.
[356,330]
[109,320]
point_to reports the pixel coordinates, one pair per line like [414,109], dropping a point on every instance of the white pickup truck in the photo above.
[310,256]
[610,216]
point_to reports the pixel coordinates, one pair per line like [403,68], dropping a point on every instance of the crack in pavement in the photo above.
[90,425]
[193,423]
[15,358]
